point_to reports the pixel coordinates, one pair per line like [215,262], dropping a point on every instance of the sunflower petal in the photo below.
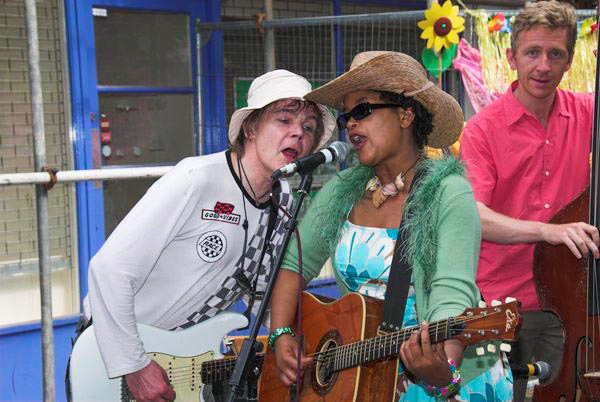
[434,12]
[459,29]
[457,21]
[438,12]
[439,43]
[430,41]
[424,24]
[452,37]
[447,7]
[427,33]
[429,14]
[453,11]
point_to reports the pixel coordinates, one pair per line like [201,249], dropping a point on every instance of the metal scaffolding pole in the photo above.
[269,38]
[37,108]
[345,19]
[69,176]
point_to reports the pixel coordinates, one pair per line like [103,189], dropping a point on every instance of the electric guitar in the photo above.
[187,356]
[352,362]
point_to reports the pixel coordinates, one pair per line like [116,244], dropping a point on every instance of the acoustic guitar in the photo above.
[352,362]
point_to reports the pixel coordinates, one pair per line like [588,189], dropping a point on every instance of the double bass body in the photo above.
[563,287]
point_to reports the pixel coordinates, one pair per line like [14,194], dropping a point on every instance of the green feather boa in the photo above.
[419,212]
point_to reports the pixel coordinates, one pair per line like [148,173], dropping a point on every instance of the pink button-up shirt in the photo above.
[521,170]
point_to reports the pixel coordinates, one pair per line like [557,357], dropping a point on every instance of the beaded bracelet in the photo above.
[449,390]
[277,333]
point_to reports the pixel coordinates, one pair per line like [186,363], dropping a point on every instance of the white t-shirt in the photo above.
[170,263]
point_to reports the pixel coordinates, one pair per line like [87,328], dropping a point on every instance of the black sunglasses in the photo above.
[361,111]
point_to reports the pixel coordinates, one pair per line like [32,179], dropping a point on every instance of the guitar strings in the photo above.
[184,374]
[344,354]
[339,354]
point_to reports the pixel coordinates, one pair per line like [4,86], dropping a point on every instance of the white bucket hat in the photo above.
[271,87]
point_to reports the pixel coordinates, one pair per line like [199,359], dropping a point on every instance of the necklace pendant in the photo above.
[373,184]
[378,197]
[399,182]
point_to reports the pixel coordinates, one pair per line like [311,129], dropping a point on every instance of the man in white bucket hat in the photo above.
[204,235]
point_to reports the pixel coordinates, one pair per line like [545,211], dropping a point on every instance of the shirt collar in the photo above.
[515,110]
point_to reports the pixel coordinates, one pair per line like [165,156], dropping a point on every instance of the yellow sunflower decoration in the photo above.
[441,25]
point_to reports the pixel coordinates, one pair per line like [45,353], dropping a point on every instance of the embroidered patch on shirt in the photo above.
[222,212]
[211,246]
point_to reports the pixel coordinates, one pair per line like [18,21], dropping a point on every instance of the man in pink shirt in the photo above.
[528,156]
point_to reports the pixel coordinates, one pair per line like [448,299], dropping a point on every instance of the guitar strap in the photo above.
[400,276]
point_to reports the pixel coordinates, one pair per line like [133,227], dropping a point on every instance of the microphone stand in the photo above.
[246,357]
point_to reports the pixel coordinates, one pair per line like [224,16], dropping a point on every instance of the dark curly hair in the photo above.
[423,119]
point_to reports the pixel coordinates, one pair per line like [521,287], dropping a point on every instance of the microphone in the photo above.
[337,151]
[540,369]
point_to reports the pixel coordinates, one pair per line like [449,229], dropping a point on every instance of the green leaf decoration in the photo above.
[430,59]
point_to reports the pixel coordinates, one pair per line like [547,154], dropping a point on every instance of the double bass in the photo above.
[570,288]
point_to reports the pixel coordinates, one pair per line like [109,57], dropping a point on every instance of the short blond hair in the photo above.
[549,14]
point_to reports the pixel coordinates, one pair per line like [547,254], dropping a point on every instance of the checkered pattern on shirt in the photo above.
[223,207]
[215,250]
[229,291]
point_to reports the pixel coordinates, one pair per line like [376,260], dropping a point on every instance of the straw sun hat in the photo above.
[273,86]
[399,73]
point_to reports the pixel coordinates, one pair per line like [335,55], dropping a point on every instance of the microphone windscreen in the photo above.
[543,370]
[341,150]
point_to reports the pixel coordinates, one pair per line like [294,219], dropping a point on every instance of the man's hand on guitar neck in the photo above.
[286,355]
[150,384]
[429,362]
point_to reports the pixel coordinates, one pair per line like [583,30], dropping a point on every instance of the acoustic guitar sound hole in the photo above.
[324,375]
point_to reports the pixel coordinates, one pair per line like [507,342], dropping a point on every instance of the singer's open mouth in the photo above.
[357,140]
[290,153]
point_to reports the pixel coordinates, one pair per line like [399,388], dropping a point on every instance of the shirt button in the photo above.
[547,173]
[547,142]
[546,205]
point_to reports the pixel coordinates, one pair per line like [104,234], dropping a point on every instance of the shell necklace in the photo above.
[380,193]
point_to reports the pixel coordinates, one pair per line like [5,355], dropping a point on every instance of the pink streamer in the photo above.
[468,62]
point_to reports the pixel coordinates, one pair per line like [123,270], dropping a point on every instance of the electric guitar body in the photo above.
[180,353]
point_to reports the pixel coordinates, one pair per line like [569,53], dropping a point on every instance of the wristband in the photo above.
[449,390]
[277,333]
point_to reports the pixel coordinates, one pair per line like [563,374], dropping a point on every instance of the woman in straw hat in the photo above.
[392,111]
[175,259]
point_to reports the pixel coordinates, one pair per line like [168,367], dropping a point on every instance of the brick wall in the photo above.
[18,225]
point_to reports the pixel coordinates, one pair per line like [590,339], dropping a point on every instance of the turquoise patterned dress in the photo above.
[362,261]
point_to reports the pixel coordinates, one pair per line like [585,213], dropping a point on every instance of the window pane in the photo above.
[148,128]
[153,46]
